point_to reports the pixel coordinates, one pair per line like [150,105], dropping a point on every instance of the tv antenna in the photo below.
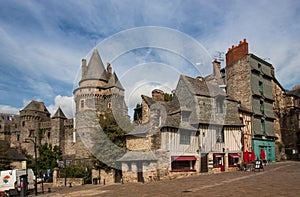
[219,55]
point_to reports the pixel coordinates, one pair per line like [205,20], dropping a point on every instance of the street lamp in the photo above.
[28,140]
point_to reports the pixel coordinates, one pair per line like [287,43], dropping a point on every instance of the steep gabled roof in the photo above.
[198,86]
[95,68]
[59,114]
[36,106]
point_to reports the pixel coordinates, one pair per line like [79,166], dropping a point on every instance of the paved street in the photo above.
[278,179]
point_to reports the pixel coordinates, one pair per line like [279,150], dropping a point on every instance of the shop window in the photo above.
[185,137]
[217,160]
[183,163]
[233,160]
[220,134]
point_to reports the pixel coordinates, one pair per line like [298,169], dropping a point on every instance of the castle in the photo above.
[99,90]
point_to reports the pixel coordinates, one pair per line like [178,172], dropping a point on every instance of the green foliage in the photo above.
[111,141]
[48,157]
[77,172]
[30,161]
[167,97]
[5,159]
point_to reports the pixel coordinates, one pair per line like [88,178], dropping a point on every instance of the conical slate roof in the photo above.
[59,114]
[95,69]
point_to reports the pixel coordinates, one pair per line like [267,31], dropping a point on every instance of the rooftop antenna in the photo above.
[219,55]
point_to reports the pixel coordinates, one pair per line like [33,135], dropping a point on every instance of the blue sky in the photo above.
[42,43]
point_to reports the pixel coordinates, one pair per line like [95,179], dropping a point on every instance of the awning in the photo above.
[234,155]
[183,158]
[218,155]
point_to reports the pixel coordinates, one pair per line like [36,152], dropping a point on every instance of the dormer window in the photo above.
[220,105]
[185,116]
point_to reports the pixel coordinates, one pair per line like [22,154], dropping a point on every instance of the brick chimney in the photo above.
[157,95]
[236,52]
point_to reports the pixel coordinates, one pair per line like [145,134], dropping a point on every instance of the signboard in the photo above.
[258,165]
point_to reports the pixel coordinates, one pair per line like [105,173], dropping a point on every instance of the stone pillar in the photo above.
[226,161]
[55,173]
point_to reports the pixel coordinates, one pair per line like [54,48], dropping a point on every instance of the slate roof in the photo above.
[138,156]
[198,86]
[36,106]
[114,82]
[12,153]
[95,68]
[294,92]
[59,114]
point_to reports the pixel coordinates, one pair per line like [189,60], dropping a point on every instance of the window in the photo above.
[183,163]
[220,105]
[261,89]
[48,135]
[109,105]
[259,67]
[82,103]
[18,137]
[220,134]
[31,133]
[23,123]
[263,126]
[262,108]
[217,160]
[185,137]
[185,116]
[233,159]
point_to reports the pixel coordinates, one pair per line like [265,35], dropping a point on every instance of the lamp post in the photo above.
[35,159]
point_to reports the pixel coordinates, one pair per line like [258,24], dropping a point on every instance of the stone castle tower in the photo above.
[100,93]
[99,89]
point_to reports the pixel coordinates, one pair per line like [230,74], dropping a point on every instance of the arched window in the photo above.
[82,103]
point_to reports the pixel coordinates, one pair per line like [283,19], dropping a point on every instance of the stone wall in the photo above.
[60,182]
[238,81]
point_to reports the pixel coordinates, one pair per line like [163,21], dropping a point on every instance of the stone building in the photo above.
[249,81]
[287,123]
[199,120]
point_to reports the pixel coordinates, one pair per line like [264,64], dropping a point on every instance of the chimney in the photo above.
[109,69]
[158,95]
[217,68]
[236,52]
[83,68]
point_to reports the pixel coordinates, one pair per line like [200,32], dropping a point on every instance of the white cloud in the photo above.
[9,109]
[66,104]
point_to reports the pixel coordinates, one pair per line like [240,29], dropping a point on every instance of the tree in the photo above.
[48,157]
[110,142]
[167,97]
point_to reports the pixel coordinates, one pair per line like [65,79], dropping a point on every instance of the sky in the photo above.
[148,43]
